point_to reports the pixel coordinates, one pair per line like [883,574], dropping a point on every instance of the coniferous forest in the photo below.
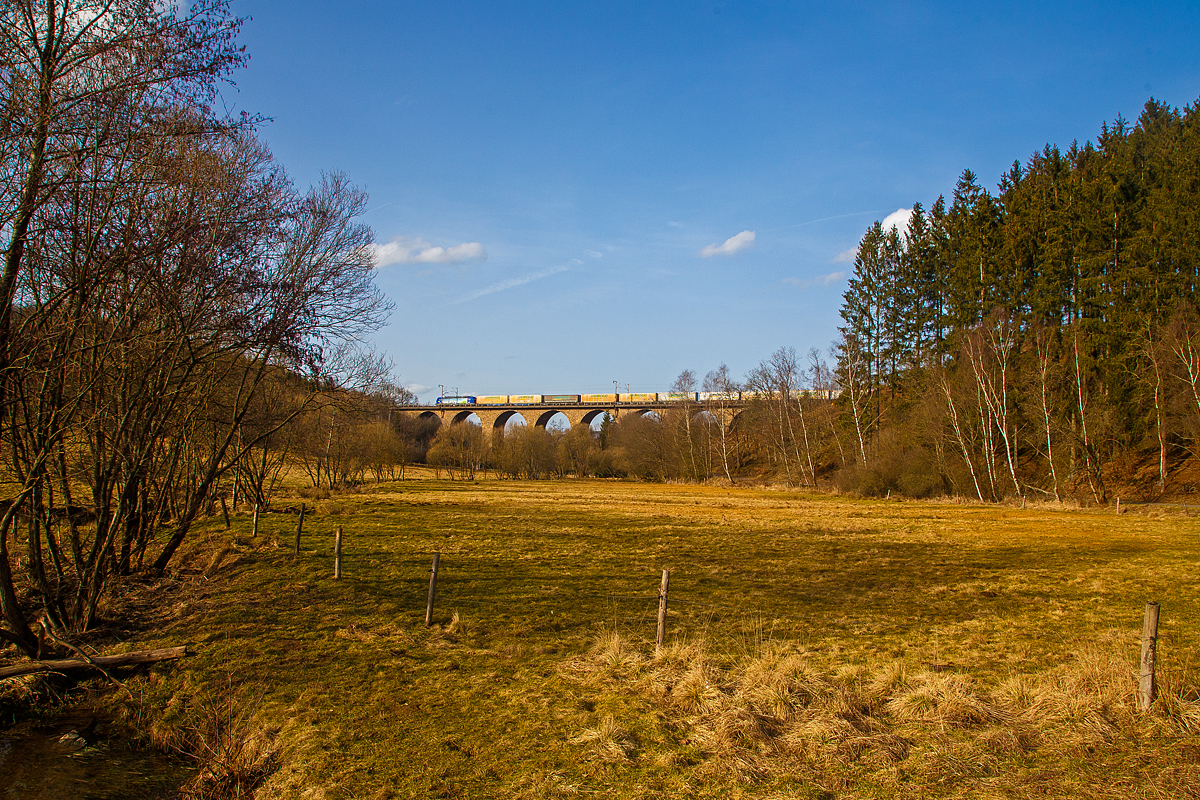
[1041,340]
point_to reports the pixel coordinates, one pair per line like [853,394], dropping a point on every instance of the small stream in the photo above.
[37,763]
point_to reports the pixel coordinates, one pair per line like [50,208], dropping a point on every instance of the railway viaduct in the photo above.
[495,417]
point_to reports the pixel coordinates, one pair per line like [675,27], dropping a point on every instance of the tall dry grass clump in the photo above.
[608,741]
[222,731]
[778,711]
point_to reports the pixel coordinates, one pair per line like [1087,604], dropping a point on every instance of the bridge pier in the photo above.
[491,420]
[540,416]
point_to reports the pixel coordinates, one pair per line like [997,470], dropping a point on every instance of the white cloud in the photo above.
[898,219]
[730,246]
[410,250]
[594,253]
[846,256]
[514,282]
[820,280]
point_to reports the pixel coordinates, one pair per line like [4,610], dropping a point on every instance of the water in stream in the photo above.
[37,763]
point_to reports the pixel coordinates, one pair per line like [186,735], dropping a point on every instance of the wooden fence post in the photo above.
[337,553]
[225,511]
[662,611]
[1146,686]
[299,527]
[433,573]
[254,533]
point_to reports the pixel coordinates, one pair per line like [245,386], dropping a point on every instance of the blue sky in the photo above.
[571,194]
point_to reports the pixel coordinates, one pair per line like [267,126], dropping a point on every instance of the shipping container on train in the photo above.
[633,398]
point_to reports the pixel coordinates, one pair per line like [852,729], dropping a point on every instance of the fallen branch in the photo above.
[100,663]
[45,629]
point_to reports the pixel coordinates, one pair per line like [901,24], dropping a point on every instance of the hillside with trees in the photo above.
[1040,340]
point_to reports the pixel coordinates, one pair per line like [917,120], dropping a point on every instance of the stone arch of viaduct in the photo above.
[494,418]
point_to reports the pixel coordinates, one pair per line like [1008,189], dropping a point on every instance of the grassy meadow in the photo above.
[817,647]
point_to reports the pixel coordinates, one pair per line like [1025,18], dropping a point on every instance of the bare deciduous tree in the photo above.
[460,449]
[720,390]
[153,315]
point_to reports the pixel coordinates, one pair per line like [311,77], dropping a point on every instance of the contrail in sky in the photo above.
[824,219]
[510,283]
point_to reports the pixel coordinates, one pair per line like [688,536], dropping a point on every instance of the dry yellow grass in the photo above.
[775,715]
[818,646]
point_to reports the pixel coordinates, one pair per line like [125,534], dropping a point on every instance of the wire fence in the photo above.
[466,583]
[480,588]
[480,585]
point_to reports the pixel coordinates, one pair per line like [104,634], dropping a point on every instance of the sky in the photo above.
[569,196]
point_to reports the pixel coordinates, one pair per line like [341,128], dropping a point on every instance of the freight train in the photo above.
[624,398]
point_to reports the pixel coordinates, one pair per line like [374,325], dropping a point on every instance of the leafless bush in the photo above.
[460,449]
[223,734]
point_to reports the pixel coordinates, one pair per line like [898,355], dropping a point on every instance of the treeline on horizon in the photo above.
[358,437]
